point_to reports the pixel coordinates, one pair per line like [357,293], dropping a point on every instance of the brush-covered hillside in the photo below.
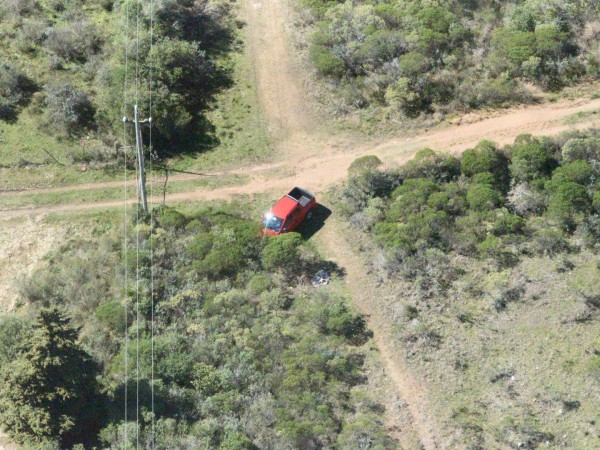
[72,69]
[490,267]
[244,353]
[405,58]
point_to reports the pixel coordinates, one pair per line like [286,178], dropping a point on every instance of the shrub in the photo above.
[282,253]
[13,331]
[74,42]
[325,62]
[568,204]
[367,163]
[32,34]
[549,241]
[580,172]
[430,269]
[18,8]
[530,159]
[485,158]
[68,110]
[360,189]
[438,167]
[582,148]
[494,248]
[511,48]
[525,200]
[112,315]
[483,197]
[365,432]
[15,89]
[259,283]
[341,322]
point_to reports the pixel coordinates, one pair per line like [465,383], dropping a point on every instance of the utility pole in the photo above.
[139,143]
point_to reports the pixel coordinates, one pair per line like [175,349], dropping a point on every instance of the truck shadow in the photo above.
[309,227]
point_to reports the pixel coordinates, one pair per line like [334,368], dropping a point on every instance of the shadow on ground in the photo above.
[311,226]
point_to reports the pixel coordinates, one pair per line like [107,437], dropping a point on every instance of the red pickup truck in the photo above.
[289,212]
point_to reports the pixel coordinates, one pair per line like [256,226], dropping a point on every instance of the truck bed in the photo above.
[303,197]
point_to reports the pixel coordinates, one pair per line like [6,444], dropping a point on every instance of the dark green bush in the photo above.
[530,159]
[281,253]
[568,204]
[483,197]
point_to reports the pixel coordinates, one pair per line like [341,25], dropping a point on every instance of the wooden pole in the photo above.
[140,158]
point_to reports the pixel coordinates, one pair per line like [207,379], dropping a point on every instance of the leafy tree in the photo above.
[182,85]
[49,390]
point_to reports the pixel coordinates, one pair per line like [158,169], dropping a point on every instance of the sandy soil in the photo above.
[23,244]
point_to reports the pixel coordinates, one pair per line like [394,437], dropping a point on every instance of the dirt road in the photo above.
[317,164]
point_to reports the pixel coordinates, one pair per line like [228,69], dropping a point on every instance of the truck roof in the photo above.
[284,206]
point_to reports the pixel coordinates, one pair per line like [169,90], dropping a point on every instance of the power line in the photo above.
[125,247]
[151,56]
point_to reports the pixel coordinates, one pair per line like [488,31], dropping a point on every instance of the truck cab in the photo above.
[289,212]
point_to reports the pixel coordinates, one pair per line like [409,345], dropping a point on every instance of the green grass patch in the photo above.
[582,116]
[239,124]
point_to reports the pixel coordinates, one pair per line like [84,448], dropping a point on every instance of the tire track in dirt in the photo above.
[277,81]
[368,299]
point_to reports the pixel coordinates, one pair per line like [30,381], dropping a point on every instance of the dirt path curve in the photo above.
[317,167]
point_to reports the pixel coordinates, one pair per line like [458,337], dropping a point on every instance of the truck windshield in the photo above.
[272,222]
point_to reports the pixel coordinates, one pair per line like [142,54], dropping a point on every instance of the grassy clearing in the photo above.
[239,125]
[235,116]
[527,374]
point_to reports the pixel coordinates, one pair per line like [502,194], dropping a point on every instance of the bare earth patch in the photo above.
[23,243]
